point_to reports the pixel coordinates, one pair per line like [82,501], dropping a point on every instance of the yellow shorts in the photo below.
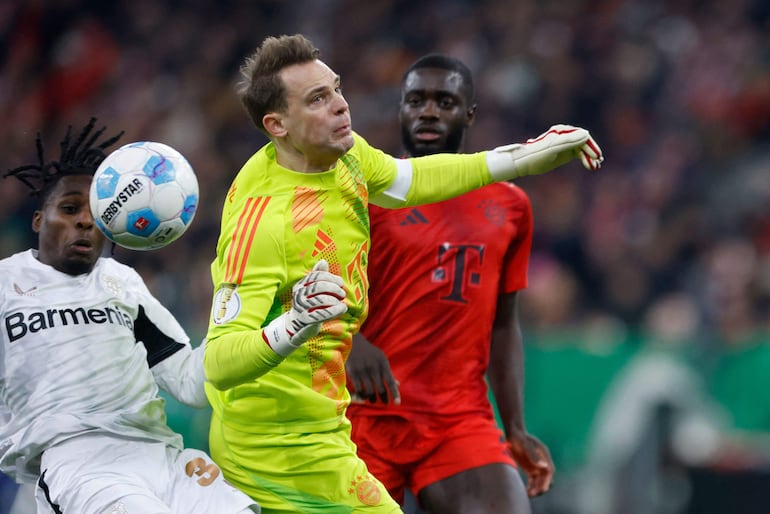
[299,473]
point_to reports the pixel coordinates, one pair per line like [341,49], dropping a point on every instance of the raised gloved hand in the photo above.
[316,298]
[559,145]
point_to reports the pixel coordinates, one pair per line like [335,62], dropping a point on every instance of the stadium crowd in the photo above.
[667,247]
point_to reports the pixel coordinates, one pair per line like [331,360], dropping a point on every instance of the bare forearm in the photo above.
[506,377]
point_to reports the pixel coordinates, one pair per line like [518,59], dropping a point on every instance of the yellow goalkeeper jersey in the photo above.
[276,224]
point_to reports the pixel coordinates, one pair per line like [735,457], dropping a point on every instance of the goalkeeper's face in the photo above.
[315,128]
[435,111]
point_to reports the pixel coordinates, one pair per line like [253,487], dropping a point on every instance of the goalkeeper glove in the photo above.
[559,145]
[316,298]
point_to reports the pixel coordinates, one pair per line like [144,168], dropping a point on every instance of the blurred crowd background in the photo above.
[648,311]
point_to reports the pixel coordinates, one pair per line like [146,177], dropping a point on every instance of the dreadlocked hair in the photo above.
[79,157]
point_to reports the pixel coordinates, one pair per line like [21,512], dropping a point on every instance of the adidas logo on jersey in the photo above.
[414,217]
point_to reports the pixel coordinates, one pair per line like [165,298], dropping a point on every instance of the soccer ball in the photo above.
[144,195]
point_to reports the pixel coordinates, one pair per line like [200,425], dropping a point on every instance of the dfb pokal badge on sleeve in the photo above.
[227,304]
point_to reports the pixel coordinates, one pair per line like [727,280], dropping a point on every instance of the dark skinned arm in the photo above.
[369,375]
[506,378]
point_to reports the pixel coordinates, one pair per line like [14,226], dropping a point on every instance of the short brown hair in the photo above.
[260,89]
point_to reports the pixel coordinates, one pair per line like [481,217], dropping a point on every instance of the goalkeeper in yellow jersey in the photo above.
[290,282]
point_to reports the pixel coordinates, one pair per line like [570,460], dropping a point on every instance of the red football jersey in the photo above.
[436,271]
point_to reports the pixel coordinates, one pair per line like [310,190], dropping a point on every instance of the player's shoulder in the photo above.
[508,190]
[256,164]
[116,276]
[14,259]
[377,211]
[367,158]
[111,266]
[361,146]
[9,267]
[15,262]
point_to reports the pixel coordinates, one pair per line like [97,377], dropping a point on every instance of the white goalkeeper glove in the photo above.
[316,298]
[551,149]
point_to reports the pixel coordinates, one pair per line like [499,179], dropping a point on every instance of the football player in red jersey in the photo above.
[444,280]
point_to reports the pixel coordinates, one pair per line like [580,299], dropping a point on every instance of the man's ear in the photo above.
[470,115]
[37,219]
[273,123]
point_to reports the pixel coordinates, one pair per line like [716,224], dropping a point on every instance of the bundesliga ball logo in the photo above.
[144,195]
